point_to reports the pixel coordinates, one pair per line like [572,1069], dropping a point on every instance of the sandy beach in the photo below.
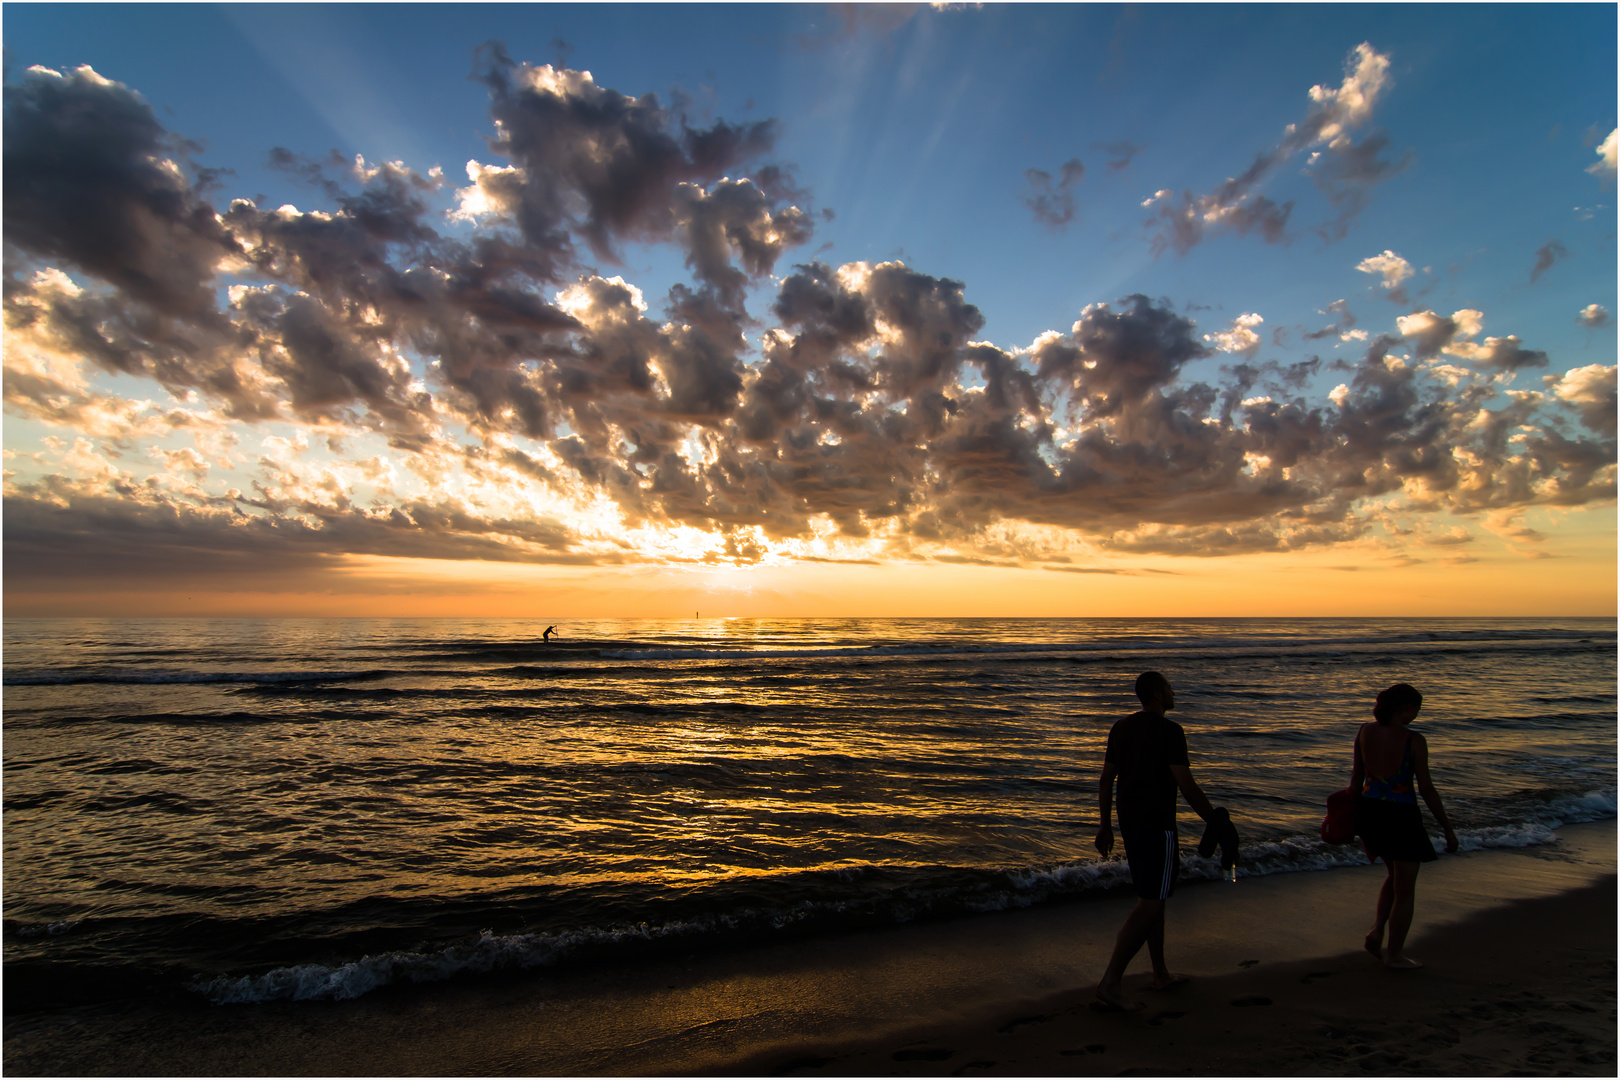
[1517,990]
[1520,947]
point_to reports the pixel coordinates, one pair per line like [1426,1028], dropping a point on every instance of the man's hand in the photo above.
[1451,842]
[1105,839]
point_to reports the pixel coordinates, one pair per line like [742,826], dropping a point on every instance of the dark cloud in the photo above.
[1429,332]
[1120,154]
[1053,205]
[312,171]
[59,530]
[1347,173]
[93,180]
[1183,223]
[1505,354]
[1345,321]
[325,365]
[1343,169]
[1115,358]
[588,161]
[1547,254]
[734,220]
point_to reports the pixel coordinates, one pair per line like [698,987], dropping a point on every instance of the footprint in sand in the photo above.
[1252,999]
[1090,1048]
[1022,1021]
[1247,963]
[922,1055]
[1162,1017]
[1315,975]
[804,1063]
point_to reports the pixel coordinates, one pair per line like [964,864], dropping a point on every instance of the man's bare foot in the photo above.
[1402,963]
[1374,943]
[1167,981]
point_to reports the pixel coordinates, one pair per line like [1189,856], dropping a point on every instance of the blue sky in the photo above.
[1472,179]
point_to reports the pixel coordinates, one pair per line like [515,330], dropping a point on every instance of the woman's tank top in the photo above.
[1398,788]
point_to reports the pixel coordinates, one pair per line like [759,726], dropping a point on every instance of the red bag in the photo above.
[1339,827]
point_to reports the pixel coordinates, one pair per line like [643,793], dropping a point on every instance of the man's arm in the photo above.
[1105,803]
[1194,794]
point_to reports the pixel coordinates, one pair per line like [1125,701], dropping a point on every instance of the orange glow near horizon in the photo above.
[1324,583]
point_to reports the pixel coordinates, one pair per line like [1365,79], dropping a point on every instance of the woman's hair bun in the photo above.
[1396,696]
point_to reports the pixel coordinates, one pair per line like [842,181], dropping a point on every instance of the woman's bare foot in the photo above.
[1374,943]
[1402,963]
[1168,980]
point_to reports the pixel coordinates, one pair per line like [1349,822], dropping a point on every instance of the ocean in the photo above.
[247,810]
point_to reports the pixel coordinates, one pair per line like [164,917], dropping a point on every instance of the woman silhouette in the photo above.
[1391,770]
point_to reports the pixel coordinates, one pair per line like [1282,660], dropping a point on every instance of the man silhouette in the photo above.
[547,635]
[1148,754]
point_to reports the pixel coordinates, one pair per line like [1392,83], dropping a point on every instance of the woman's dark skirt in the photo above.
[1393,831]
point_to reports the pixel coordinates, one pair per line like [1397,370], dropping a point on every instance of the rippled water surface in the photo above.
[268,808]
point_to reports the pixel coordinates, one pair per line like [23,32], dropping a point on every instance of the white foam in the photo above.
[1593,806]
[55,929]
[310,982]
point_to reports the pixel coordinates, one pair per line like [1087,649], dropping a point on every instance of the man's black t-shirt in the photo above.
[1142,748]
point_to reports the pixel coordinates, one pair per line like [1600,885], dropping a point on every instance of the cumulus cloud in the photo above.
[1593,316]
[1343,169]
[1432,334]
[1239,337]
[589,161]
[1053,204]
[1590,391]
[481,394]
[1546,255]
[1604,167]
[1393,272]
[92,179]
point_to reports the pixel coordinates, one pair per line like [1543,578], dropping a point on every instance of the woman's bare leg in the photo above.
[1374,942]
[1404,875]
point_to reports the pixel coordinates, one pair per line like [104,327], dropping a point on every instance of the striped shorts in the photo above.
[1154,858]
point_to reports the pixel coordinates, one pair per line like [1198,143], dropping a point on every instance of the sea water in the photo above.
[247,810]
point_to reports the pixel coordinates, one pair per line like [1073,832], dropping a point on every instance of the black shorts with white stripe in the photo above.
[1155,860]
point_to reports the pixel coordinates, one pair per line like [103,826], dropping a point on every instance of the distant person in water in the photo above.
[547,635]
[1147,753]
[1391,769]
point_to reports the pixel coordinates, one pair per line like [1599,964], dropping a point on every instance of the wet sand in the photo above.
[1520,947]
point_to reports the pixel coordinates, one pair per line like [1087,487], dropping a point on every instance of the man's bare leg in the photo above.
[1404,876]
[1136,929]
[1374,942]
[1163,977]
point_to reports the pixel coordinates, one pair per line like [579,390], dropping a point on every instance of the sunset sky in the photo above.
[568,311]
